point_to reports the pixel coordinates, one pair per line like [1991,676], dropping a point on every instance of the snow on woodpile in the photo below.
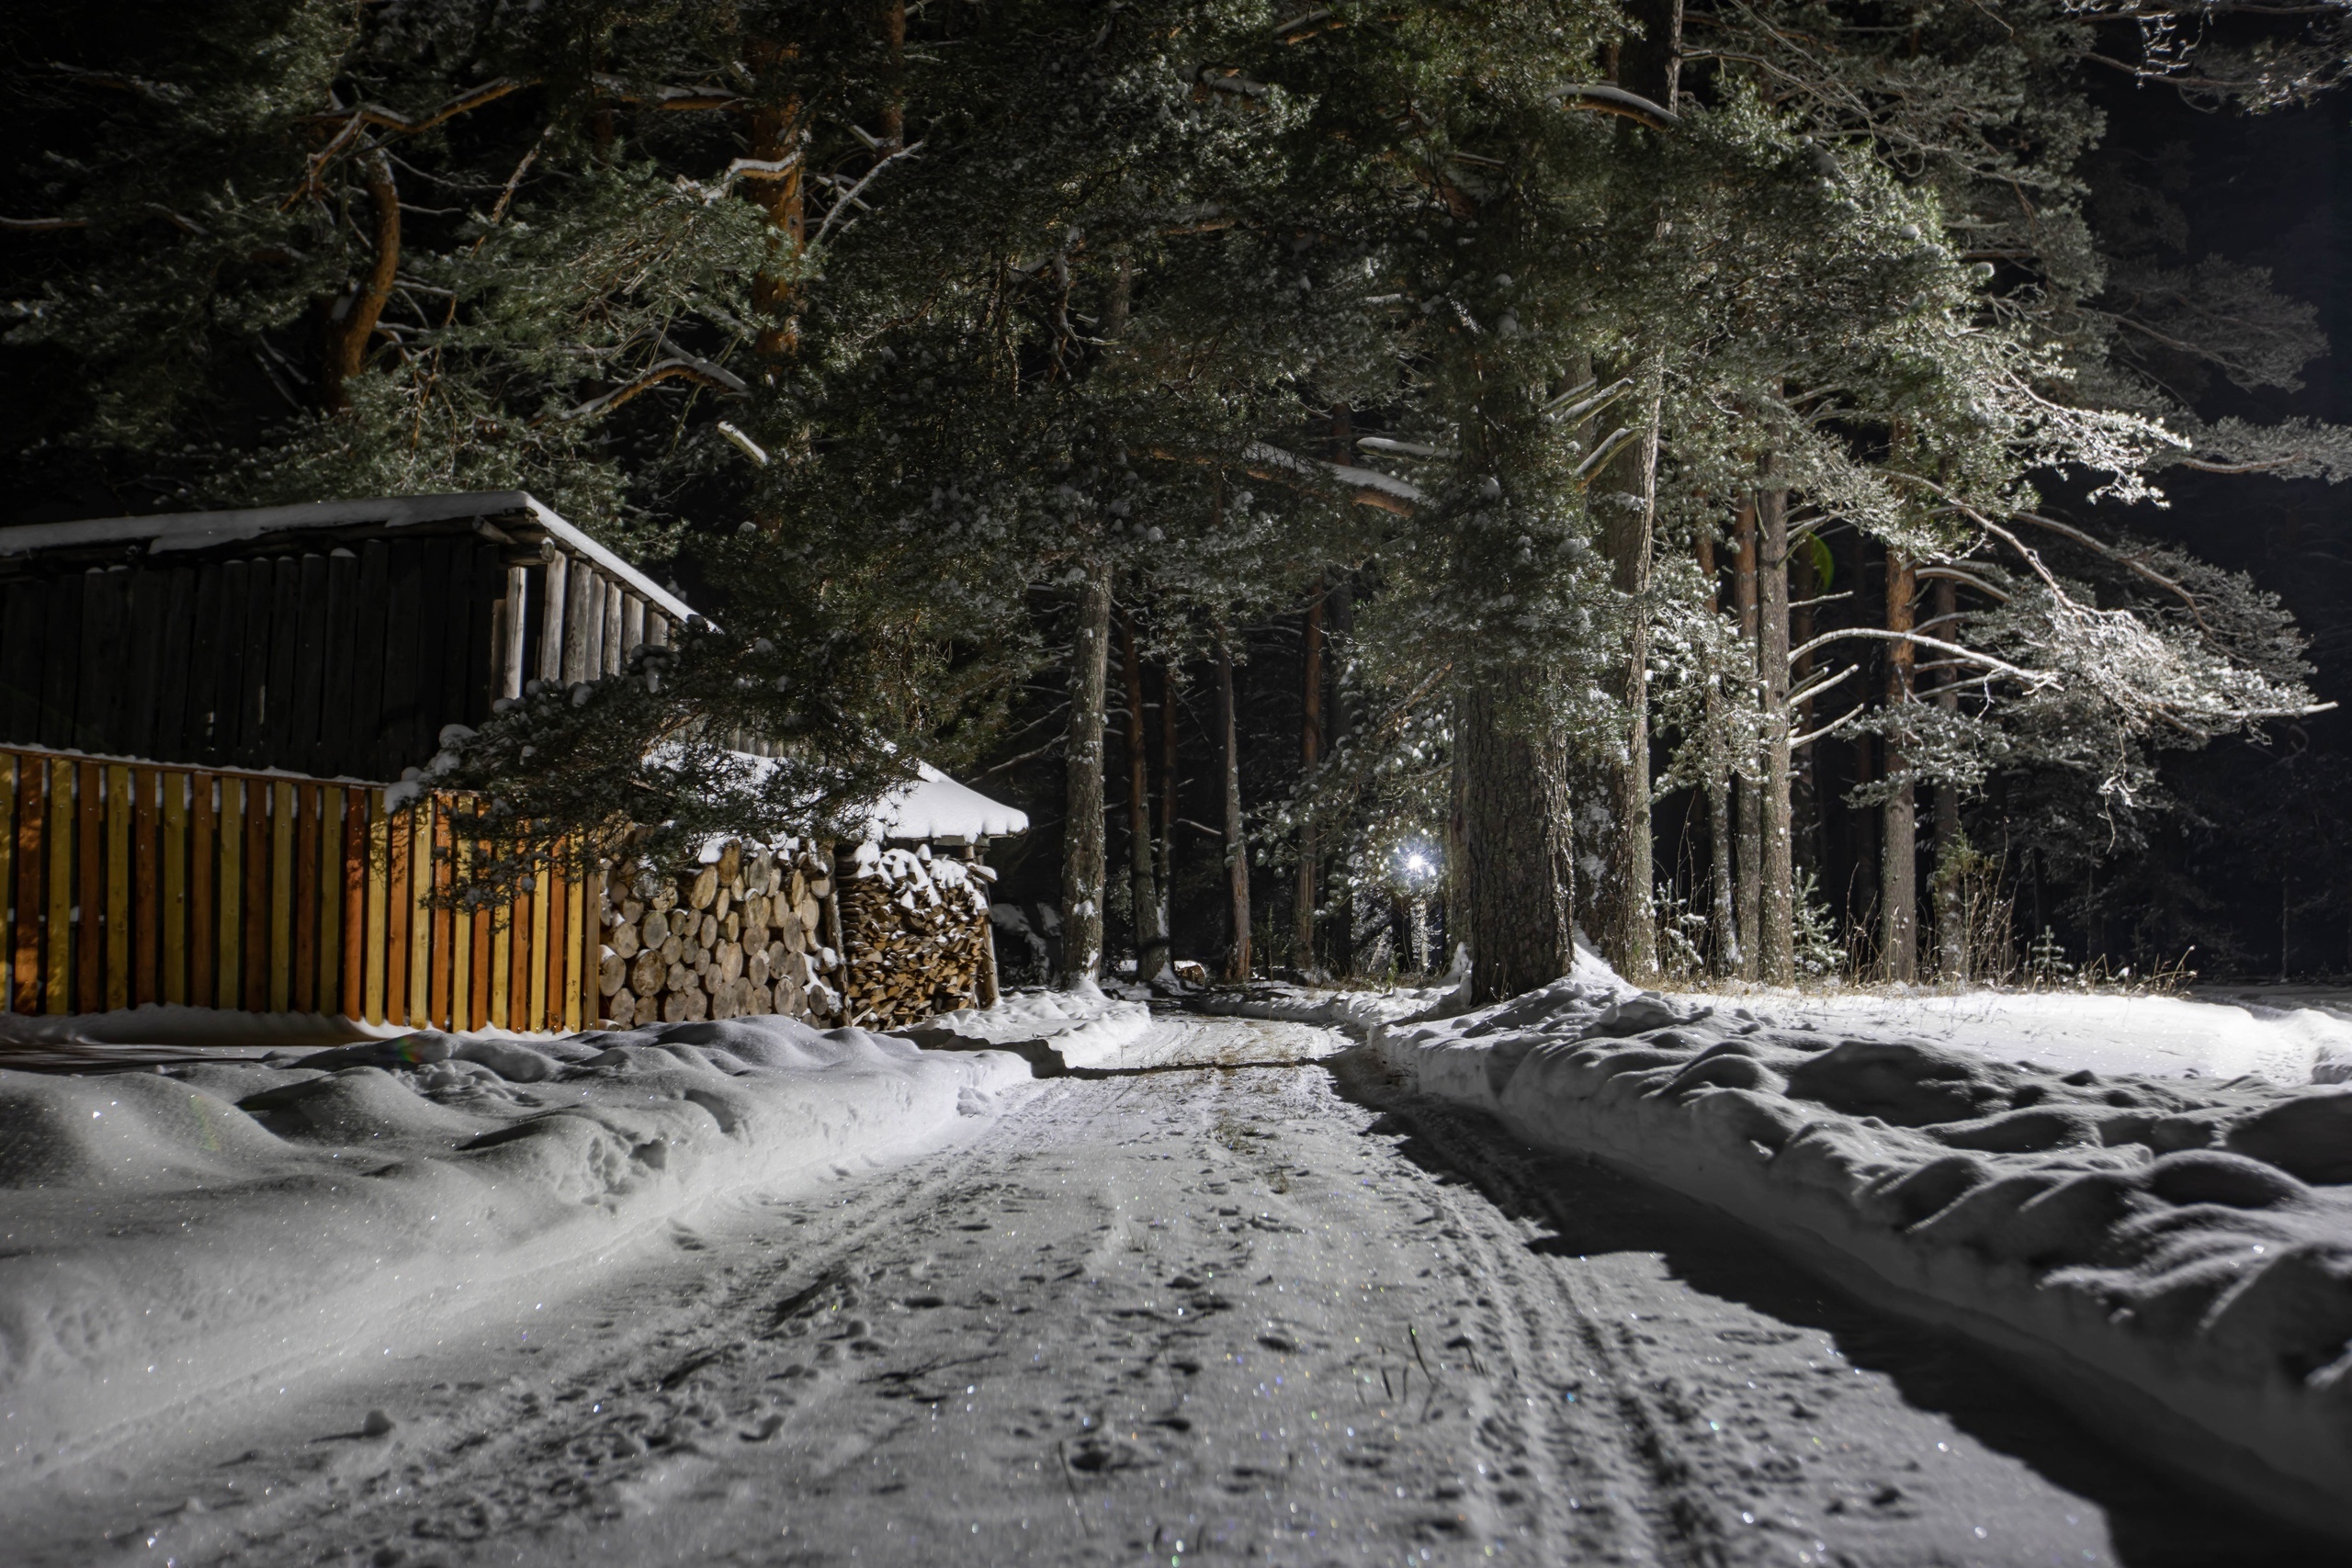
[934,807]
[2174,1257]
[174,1231]
[915,931]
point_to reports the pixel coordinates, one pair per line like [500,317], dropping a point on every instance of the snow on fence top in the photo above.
[170,531]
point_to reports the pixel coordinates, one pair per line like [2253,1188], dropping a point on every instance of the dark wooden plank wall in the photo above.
[332,662]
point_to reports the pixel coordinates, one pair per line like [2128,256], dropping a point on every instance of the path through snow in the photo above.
[1205,1311]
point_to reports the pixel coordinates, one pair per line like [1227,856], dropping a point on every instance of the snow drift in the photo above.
[2174,1257]
[168,1234]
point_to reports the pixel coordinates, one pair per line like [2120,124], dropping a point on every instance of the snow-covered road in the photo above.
[1242,1304]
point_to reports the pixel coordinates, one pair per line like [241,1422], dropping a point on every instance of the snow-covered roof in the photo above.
[935,806]
[168,531]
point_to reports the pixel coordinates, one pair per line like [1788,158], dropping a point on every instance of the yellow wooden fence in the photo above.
[128,883]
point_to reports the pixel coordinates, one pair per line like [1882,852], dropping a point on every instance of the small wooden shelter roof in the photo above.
[511,515]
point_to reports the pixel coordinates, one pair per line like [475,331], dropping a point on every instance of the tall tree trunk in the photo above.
[1628,925]
[1237,847]
[1722,913]
[775,134]
[345,344]
[1311,748]
[1952,932]
[1776,934]
[1751,797]
[1517,872]
[1151,932]
[1082,856]
[1339,920]
[894,99]
[1170,778]
[1899,851]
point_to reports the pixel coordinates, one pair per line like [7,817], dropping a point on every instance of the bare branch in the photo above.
[677,367]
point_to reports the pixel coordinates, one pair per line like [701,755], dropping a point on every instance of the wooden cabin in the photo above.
[200,714]
[334,640]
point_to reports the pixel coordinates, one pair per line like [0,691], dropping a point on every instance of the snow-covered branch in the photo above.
[679,366]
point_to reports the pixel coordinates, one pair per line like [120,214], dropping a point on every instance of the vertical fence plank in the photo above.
[354,904]
[420,910]
[590,1012]
[380,864]
[257,847]
[306,893]
[117,987]
[535,1011]
[89,891]
[445,1002]
[281,895]
[146,894]
[174,911]
[203,893]
[462,983]
[396,908]
[30,817]
[231,898]
[330,851]
[9,768]
[502,961]
[575,927]
[57,987]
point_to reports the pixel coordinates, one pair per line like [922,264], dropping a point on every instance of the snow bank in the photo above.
[2175,1259]
[2162,1036]
[1053,1031]
[168,1234]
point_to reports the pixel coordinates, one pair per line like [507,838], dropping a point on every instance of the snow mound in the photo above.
[173,1233]
[1054,1030]
[2107,1031]
[2174,1257]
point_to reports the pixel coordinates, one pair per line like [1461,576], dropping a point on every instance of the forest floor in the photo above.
[1244,1302]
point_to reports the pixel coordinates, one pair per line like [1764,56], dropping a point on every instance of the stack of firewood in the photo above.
[750,932]
[915,933]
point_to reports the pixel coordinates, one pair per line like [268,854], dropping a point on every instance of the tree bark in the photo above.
[346,347]
[1722,912]
[1899,846]
[1951,933]
[1310,745]
[1236,848]
[775,134]
[1628,925]
[1751,798]
[1340,919]
[1517,871]
[1083,857]
[1151,931]
[894,100]
[1776,934]
[1170,777]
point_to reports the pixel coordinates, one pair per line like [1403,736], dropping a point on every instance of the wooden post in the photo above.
[281,895]
[146,861]
[89,821]
[487,978]
[576,928]
[31,817]
[512,627]
[117,988]
[588,621]
[461,954]
[615,629]
[553,587]
[632,622]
